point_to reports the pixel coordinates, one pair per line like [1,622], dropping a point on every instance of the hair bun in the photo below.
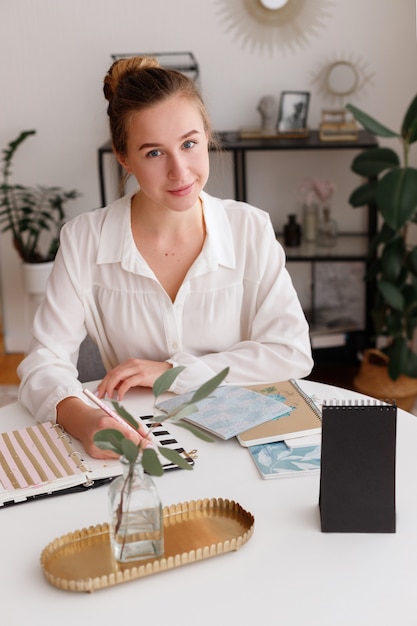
[121,68]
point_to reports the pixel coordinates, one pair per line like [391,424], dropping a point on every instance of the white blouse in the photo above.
[237,306]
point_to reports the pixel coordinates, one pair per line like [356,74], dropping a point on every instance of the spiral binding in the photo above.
[313,406]
[359,403]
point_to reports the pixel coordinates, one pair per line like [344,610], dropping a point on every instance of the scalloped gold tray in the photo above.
[193,531]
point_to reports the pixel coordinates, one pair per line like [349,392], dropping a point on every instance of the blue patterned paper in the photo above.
[230,410]
[275,460]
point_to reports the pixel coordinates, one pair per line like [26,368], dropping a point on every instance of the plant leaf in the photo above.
[392,259]
[412,261]
[125,414]
[164,382]
[201,434]
[130,450]
[374,161]
[409,125]
[397,353]
[109,439]
[370,123]
[208,387]
[396,196]
[363,195]
[151,463]
[175,457]
[392,295]
[184,410]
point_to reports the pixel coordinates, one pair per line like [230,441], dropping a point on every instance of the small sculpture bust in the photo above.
[268,108]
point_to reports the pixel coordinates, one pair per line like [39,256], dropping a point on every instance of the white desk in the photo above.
[289,572]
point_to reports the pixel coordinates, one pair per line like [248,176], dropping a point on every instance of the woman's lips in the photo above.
[181,191]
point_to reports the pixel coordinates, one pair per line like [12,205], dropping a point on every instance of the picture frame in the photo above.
[293,113]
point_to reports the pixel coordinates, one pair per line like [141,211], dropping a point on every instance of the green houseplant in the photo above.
[31,213]
[136,522]
[392,263]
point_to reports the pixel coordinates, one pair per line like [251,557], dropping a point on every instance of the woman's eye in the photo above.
[153,153]
[189,144]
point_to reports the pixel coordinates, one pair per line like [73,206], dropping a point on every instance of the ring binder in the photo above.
[43,460]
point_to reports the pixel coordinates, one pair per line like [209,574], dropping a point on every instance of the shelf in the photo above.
[348,247]
[231,140]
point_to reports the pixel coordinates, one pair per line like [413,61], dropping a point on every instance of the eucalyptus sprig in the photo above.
[114,440]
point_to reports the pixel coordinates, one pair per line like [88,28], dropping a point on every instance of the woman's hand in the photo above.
[131,373]
[83,421]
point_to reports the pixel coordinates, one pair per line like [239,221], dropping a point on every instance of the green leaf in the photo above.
[370,123]
[374,161]
[151,463]
[409,125]
[130,450]
[397,353]
[125,414]
[109,439]
[396,196]
[164,382]
[201,434]
[392,295]
[410,366]
[184,410]
[175,457]
[392,260]
[412,261]
[363,195]
[208,387]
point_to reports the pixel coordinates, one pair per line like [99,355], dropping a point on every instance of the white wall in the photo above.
[54,55]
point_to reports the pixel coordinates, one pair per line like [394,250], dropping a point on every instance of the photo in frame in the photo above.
[293,112]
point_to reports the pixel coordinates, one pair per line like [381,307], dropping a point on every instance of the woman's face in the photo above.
[167,152]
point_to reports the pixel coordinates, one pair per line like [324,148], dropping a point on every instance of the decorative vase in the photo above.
[136,520]
[35,277]
[373,380]
[310,219]
[292,232]
[327,229]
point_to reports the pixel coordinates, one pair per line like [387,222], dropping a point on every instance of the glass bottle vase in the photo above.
[136,520]
[327,230]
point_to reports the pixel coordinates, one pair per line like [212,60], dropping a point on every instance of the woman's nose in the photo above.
[177,167]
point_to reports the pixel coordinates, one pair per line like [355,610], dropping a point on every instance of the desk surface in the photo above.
[289,572]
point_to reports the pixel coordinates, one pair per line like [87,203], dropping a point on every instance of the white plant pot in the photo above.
[35,277]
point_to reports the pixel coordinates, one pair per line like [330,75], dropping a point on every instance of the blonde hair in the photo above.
[136,83]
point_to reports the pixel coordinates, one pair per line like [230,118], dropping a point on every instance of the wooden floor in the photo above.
[8,365]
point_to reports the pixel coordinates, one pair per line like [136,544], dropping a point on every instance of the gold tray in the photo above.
[193,531]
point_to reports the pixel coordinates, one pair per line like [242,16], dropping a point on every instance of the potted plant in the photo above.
[136,522]
[33,215]
[392,262]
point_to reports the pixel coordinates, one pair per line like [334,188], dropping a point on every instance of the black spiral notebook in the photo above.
[357,467]
[43,460]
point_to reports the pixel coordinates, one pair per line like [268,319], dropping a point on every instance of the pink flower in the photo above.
[316,189]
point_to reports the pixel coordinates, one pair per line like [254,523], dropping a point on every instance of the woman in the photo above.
[165,276]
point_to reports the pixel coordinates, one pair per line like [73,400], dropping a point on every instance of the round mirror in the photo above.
[273,5]
[342,78]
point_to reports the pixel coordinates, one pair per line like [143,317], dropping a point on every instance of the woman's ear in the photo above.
[123,161]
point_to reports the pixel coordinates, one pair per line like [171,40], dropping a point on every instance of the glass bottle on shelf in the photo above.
[136,519]
[327,229]
[310,219]
[292,232]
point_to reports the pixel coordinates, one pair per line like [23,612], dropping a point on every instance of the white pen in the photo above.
[113,414]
